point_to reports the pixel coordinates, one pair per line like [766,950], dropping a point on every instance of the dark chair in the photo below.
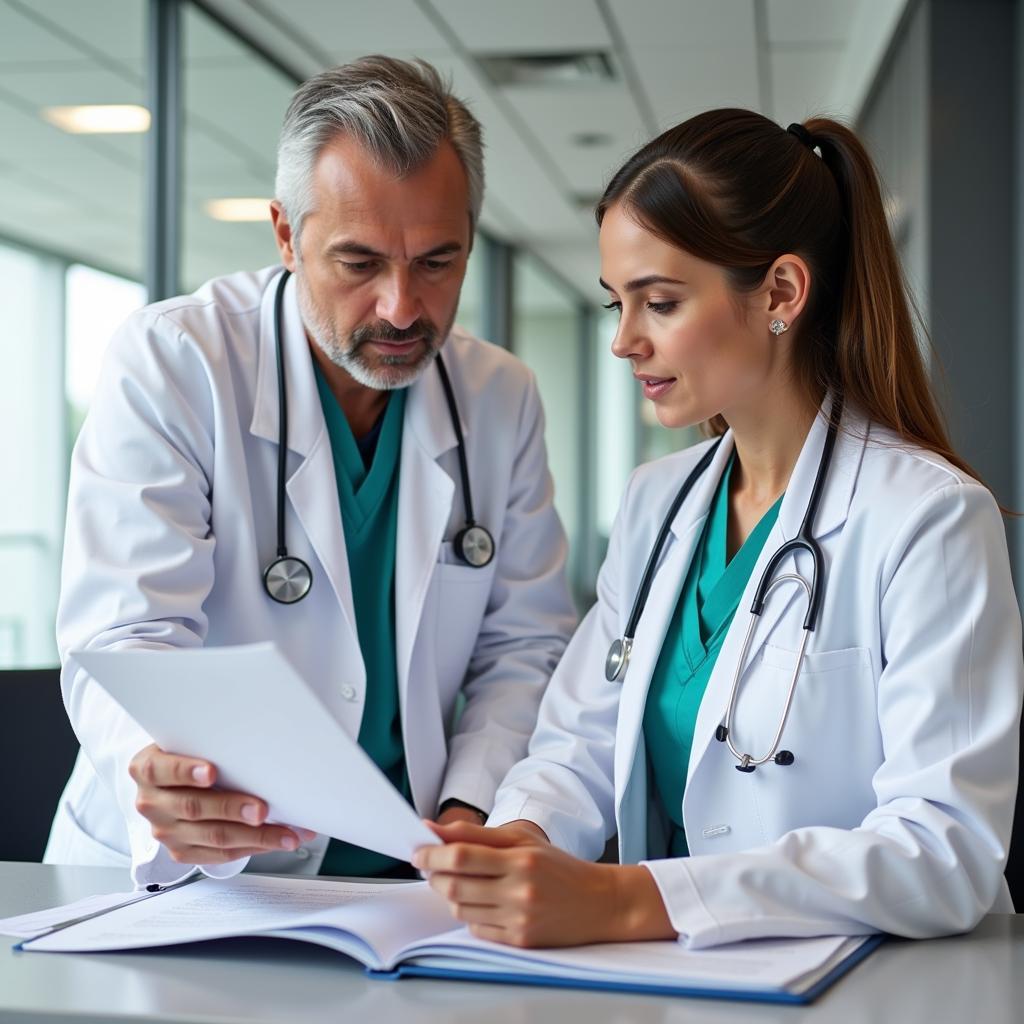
[1015,865]
[39,749]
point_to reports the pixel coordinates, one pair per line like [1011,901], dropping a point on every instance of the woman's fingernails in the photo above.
[201,774]
[289,842]
[251,813]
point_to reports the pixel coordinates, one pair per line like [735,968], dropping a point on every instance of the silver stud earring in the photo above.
[778,327]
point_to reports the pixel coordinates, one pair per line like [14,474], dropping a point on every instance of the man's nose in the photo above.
[398,302]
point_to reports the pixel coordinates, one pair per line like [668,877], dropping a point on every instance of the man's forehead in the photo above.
[355,197]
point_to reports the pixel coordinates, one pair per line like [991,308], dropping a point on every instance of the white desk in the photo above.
[971,979]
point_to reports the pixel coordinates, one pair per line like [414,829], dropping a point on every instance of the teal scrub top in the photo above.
[368,496]
[710,595]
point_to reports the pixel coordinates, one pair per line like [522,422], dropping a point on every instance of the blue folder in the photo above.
[803,997]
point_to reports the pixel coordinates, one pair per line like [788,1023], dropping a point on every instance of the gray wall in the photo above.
[940,122]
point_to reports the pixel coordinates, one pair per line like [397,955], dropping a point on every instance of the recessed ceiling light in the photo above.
[238,209]
[582,68]
[99,119]
[590,140]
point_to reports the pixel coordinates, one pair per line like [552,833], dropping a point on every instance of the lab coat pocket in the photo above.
[462,594]
[832,724]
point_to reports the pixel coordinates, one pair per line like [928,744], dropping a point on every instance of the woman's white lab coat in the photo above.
[896,814]
[171,521]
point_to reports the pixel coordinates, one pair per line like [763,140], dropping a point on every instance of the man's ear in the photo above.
[283,234]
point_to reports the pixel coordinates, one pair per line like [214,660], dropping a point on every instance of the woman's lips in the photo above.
[655,387]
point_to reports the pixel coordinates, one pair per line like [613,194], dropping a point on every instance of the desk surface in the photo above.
[976,977]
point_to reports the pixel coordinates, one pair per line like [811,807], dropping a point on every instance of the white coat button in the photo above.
[302,853]
[348,692]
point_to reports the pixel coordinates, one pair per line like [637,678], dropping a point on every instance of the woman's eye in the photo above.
[612,305]
[662,307]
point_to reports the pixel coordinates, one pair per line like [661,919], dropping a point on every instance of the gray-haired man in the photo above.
[411,449]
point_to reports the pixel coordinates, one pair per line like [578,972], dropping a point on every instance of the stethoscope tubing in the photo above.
[621,649]
[288,579]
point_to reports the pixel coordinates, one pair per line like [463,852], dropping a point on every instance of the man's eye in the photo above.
[436,264]
[360,268]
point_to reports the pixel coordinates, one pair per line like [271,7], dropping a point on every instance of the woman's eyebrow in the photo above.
[641,282]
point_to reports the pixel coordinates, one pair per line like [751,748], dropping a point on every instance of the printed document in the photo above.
[246,710]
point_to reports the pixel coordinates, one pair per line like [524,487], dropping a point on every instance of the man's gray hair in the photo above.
[399,111]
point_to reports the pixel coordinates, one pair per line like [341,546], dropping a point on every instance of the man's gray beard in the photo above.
[391,372]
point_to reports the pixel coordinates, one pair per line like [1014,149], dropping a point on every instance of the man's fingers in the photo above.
[189,804]
[227,835]
[154,767]
[209,855]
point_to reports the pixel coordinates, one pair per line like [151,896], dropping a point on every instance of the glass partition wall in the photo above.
[75,205]
[72,95]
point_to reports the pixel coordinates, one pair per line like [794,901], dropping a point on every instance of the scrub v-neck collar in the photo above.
[360,490]
[716,583]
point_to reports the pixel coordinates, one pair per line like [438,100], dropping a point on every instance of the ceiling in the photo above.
[82,196]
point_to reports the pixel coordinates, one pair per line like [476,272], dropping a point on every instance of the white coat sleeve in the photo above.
[928,860]
[529,619]
[138,549]
[566,783]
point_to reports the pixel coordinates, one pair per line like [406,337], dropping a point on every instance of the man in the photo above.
[179,536]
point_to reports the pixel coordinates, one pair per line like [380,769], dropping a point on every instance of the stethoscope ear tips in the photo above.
[784,757]
[721,734]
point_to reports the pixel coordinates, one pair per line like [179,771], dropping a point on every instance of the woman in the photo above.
[759,291]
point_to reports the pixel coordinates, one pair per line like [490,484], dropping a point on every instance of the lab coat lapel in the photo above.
[424,507]
[661,604]
[787,599]
[311,488]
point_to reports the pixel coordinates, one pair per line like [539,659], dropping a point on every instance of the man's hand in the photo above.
[199,824]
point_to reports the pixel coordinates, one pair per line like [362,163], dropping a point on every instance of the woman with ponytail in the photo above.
[759,293]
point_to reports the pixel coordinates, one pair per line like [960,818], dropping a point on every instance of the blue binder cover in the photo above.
[741,995]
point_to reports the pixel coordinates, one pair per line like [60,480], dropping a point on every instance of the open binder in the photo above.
[404,930]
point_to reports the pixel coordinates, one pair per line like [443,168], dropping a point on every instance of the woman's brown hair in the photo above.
[733,188]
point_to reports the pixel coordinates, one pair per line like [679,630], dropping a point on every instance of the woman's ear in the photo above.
[787,288]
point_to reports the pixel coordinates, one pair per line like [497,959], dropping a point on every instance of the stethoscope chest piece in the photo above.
[474,545]
[287,579]
[618,659]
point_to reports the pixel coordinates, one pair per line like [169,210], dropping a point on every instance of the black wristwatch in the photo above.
[452,802]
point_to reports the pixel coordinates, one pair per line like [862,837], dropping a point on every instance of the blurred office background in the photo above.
[138,158]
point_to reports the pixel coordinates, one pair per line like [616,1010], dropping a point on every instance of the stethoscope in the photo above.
[287,578]
[620,650]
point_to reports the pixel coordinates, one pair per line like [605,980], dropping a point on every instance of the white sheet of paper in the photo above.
[24,926]
[383,916]
[249,712]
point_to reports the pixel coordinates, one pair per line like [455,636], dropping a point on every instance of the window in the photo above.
[234,105]
[72,92]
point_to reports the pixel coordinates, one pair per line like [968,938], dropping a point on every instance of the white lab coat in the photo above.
[896,814]
[171,521]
